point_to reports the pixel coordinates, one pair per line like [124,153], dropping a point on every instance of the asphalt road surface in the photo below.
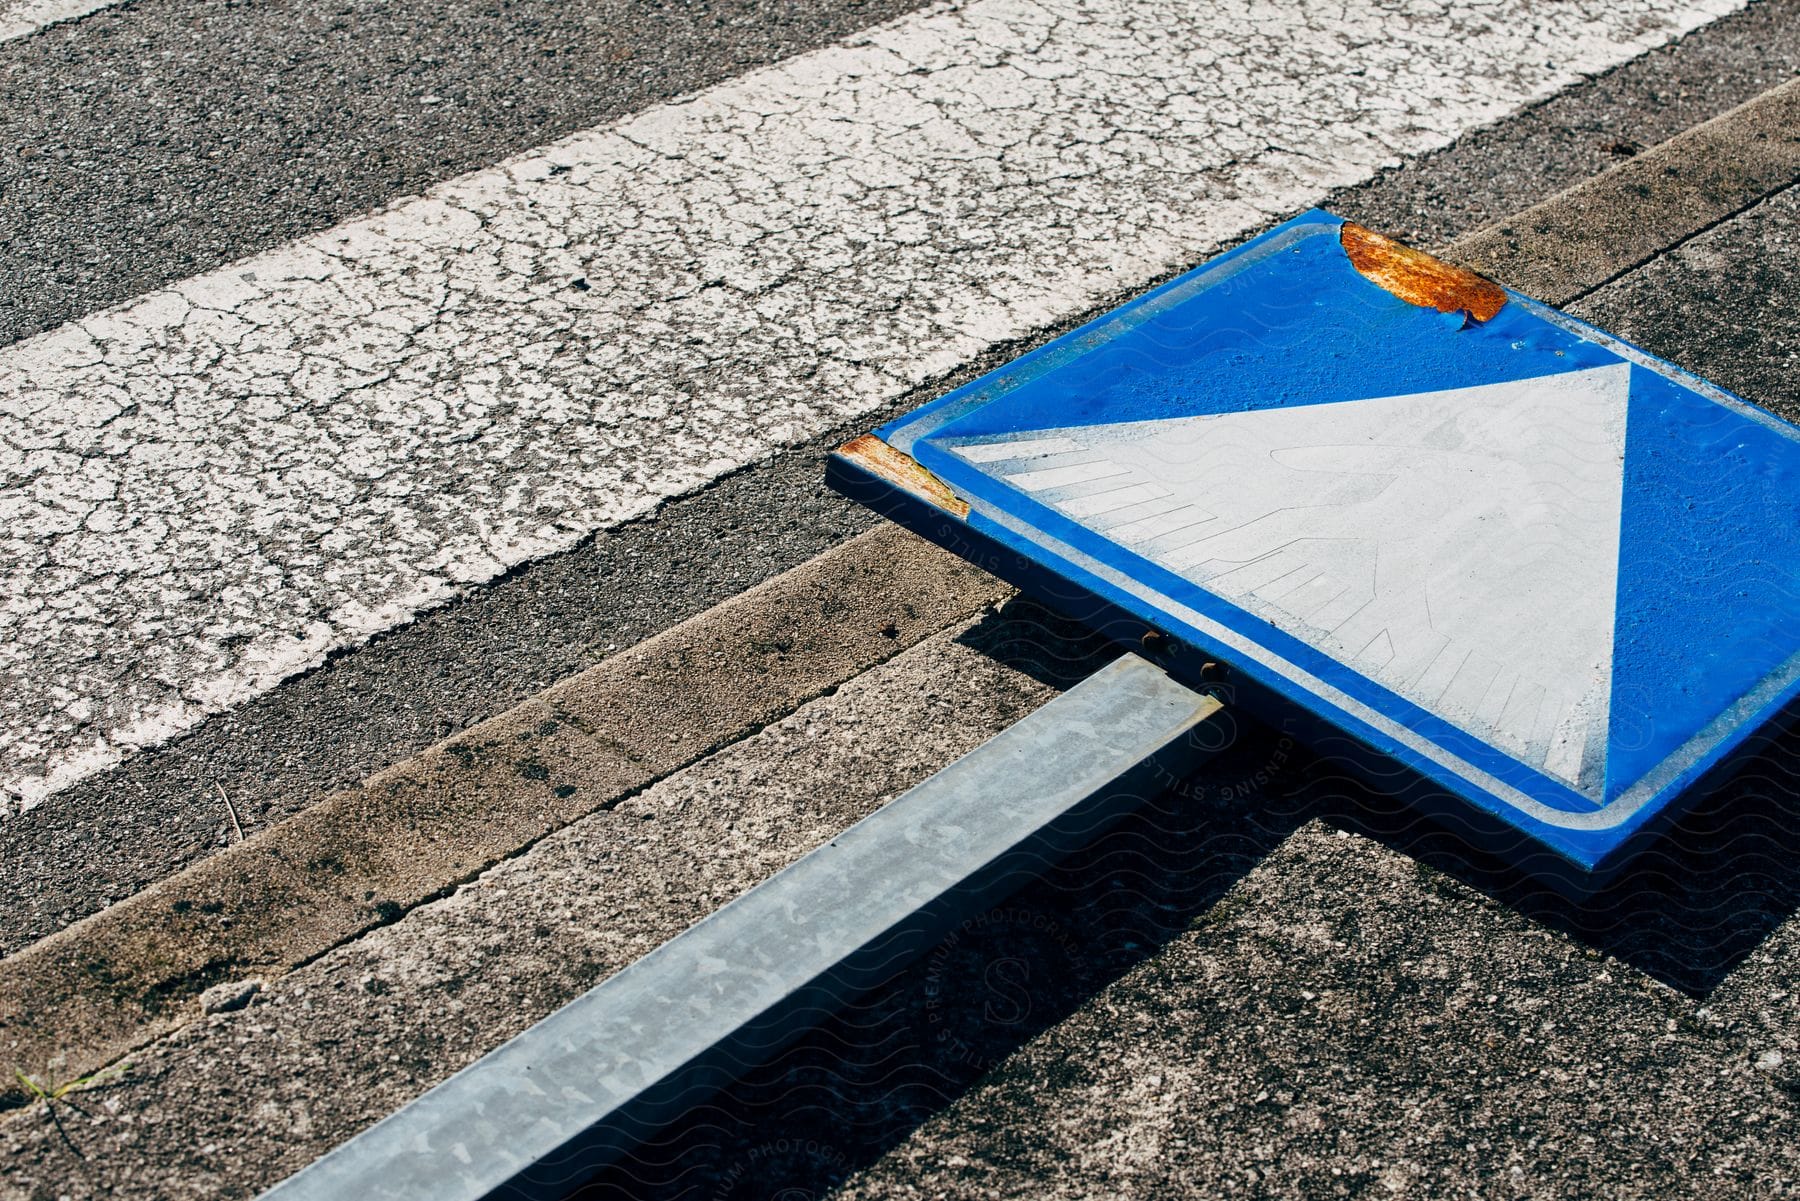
[376,700]
[368,370]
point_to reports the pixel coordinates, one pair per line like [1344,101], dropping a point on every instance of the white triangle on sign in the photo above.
[1461,547]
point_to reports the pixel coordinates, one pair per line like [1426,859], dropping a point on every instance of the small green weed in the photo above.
[56,1090]
[56,1093]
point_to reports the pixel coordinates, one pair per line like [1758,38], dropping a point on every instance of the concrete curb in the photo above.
[126,975]
[1589,235]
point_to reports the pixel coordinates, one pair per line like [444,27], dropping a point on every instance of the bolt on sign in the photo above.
[1555,577]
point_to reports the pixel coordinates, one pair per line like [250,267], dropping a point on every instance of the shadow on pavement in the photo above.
[1688,911]
[864,1080]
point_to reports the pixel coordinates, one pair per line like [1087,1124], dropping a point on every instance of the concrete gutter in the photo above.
[1596,231]
[94,991]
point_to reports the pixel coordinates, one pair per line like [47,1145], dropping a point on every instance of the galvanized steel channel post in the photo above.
[537,1115]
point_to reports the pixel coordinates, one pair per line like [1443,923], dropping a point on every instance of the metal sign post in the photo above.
[548,1108]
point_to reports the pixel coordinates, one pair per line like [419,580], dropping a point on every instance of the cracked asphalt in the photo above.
[214,486]
[1263,990]
[373,704]
[133,161]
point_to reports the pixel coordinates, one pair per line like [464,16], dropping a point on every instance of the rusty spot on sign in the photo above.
[1419,278]
[902,470]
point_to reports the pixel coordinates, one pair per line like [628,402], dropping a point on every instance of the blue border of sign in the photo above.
[1587,834]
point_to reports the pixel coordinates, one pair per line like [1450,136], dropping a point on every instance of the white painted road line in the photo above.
[209,489]
[21,17]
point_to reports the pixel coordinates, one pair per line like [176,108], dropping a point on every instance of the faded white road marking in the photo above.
[1460,546]
[209,489]
[20,17]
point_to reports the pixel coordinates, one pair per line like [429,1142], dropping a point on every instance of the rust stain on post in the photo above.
[1417,277]
[903,471]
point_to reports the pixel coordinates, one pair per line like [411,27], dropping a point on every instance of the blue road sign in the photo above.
[1550,573]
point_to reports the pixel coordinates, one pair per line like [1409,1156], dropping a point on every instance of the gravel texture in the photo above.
[1348,1022]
